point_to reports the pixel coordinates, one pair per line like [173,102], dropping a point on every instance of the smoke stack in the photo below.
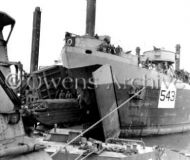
[90,17]
[177,57]
[35,40]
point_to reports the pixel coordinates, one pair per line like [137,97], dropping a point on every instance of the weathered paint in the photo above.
[107,102]
[5,20]
[141,116]
[58,111]
[147,119]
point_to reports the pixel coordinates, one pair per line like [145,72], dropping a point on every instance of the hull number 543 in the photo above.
[167,95]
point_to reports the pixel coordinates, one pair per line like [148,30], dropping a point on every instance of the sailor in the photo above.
[170,72]
[84,103]
[61,95]
[153,67]
[68,95]
[96,36]
[113,49]
[165,67]
[160,67]
[67,35]
[146,63]
[118,50]
[107,40]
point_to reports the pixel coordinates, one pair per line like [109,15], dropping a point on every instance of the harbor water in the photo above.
[179,142]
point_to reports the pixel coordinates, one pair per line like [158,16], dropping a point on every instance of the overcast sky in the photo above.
[130,23]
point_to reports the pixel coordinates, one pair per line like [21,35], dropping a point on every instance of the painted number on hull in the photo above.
[167,96]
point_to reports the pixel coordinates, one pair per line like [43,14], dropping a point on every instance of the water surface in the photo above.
[180,142]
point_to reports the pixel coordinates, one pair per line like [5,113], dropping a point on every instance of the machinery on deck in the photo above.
[14,143]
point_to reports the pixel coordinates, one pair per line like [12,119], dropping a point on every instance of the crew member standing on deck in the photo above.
[84,103]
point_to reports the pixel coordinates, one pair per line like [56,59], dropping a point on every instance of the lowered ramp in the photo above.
[106,100]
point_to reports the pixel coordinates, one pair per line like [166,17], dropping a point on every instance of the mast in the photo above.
[35,40]
[90,17]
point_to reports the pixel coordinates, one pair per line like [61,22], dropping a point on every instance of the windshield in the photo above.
[5,33]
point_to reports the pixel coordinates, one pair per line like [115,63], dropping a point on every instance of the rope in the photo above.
[92,126]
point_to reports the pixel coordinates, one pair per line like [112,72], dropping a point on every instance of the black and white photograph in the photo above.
[95,80]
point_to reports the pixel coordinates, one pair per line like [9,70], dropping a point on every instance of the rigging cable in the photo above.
[99,121]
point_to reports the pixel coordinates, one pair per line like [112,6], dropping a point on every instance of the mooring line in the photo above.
[92,126]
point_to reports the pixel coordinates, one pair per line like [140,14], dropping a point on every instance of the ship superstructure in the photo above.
[161,108]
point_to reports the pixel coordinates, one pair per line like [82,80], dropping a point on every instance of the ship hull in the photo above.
[58,111]
[145,119]
[145,115]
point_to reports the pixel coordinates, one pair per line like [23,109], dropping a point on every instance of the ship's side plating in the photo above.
[142,117]
[162,107]
[145,114]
